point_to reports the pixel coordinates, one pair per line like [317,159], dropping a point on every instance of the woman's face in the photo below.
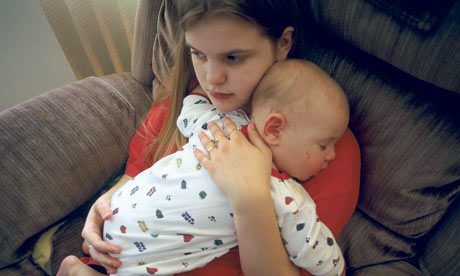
[230,56]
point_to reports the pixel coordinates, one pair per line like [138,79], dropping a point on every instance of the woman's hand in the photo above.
[93,243]
[236,164]
[242,169]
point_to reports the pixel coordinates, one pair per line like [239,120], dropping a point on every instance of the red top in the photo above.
[335,190]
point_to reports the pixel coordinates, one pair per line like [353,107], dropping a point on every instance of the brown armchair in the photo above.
[398,61]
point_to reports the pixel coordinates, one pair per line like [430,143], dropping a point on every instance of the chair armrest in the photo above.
[59,149]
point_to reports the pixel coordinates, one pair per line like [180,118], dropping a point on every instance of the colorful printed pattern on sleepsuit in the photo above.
[172,218]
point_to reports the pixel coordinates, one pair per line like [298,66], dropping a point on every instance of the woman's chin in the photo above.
[224,108]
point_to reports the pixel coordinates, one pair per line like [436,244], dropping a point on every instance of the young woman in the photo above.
[225,47]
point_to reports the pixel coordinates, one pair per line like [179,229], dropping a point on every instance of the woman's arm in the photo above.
[248,190]
[137,162]
[261,248]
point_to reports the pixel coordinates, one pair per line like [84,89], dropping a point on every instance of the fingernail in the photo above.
[116,264]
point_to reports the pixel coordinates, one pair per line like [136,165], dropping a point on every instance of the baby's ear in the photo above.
[274,124]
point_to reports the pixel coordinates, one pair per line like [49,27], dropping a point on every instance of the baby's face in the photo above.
[307,148]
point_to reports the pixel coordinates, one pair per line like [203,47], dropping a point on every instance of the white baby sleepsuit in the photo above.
[172,218]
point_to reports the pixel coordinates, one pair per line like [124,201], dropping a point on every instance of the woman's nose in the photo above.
[215,74]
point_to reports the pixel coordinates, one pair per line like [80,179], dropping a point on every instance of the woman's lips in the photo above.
[220,96]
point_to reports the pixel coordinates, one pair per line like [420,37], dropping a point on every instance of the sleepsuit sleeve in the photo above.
[308,241]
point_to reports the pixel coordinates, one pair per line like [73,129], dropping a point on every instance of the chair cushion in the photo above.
[430,55]
[409,140]
[58,150]
[440,256]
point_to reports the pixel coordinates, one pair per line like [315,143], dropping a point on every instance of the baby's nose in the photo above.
[331,155]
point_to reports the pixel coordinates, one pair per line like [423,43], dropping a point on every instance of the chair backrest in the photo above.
[145,30]
[151,54]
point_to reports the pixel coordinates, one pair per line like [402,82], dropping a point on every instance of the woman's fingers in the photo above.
[104,247]
[102,207]
[108,262]
[93,238]
[92,230]
[230,127]
[217,133]
[202,158]
[93,243]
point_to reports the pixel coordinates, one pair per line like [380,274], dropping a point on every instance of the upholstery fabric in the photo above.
[144,33]
[67,241]
[21,268]
[442,251]
[400,268]
[431,56]
[401,79]
[422,15]
[59,149]
[407,137]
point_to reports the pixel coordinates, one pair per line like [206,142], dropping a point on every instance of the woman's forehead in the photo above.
[230,31]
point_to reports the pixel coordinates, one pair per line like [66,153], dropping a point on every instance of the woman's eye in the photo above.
[199,55]
[323,147]
[233,59]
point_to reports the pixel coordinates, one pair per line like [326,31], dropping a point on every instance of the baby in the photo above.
[172,218]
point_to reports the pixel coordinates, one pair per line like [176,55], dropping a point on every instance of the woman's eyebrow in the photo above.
[232,51]
[239,52]
[191,47]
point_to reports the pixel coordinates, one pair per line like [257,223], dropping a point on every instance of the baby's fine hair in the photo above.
[296,84]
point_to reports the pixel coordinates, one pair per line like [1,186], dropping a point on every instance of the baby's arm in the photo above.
[309,243]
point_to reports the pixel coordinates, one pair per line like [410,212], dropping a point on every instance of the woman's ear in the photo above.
[284,43]
[275,123]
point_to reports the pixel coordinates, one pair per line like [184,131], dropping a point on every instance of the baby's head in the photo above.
[300,112]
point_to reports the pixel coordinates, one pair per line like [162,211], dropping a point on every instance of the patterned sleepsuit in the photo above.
[172,218]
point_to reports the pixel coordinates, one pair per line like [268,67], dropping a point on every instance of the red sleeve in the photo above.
[138,159]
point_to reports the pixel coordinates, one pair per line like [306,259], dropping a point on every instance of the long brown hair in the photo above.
[271,16]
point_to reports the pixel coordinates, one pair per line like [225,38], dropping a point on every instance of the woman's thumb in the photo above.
[103,208]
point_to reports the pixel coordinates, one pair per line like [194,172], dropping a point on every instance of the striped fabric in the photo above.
[432,55]
[145,29]
[410,162]
[58,149]
[403,88]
